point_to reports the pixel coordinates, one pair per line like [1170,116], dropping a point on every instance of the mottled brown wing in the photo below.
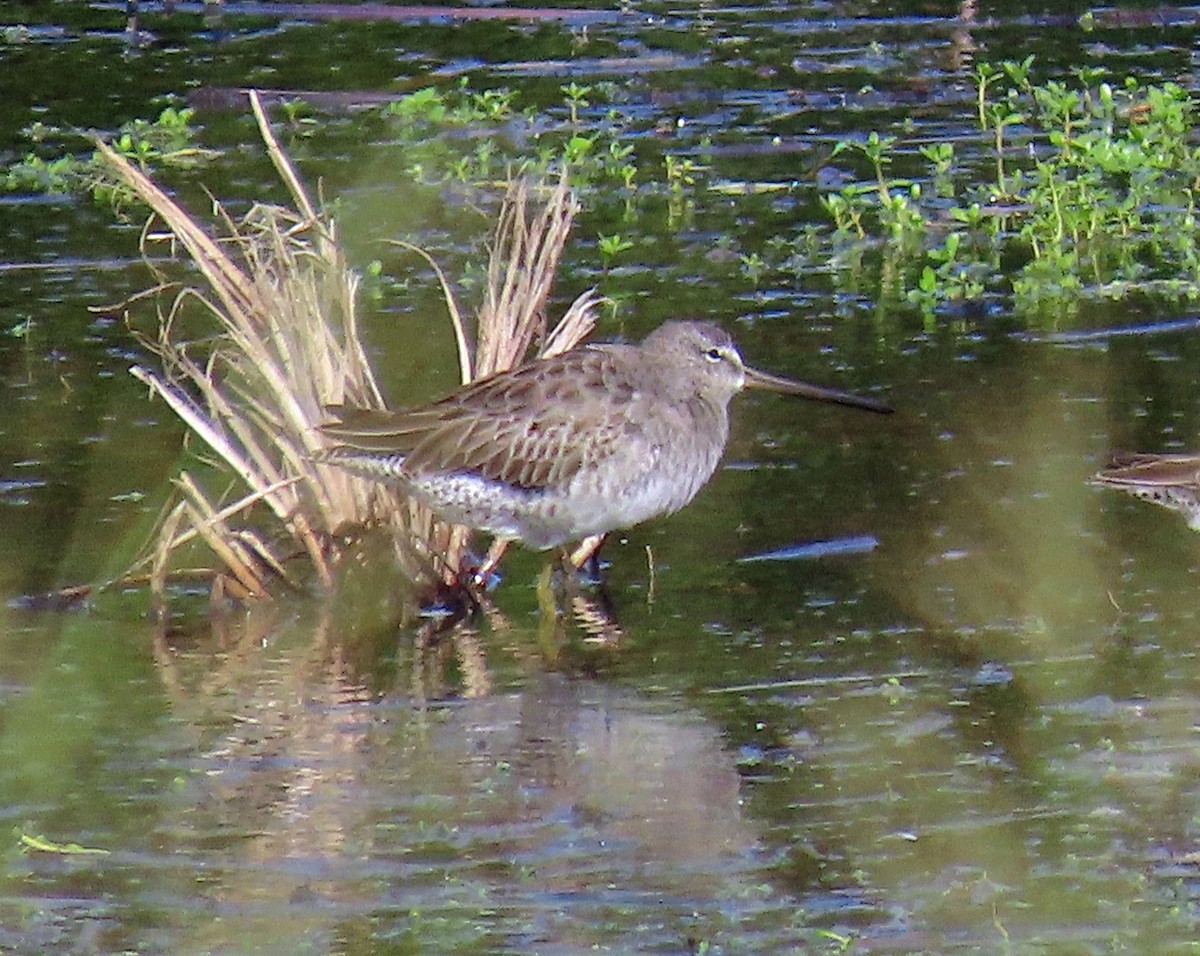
[1149,469]
[533,427]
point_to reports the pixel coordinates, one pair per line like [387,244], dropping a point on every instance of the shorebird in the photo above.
[1171,480]
[569,447]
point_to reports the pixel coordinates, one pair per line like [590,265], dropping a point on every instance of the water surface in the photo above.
[976,736]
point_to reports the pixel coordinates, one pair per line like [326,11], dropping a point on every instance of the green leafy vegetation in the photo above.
[1084,189]
[446,135]
[170,140]
[496,134]
[612,246]
[1056,192]
[1068,190]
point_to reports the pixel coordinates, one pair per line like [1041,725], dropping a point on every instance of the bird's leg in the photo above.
[495,553]
[457,547]
[587,554]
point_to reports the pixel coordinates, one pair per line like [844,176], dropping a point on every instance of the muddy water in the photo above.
[977,734]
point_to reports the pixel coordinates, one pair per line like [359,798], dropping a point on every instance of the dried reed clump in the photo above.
[281,299]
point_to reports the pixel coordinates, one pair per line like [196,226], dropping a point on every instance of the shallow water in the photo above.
[976,736]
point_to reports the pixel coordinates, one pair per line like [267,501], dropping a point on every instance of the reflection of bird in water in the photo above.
[1171,480]
[569,447]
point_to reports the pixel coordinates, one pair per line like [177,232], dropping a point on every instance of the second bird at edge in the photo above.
[1169,479]
[571,447]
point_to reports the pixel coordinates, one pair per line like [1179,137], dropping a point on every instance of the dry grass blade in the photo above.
[224,543]
[575,325]
[161,557]
[204,426]
[521,271]
[282,166]
[283,299]
[168,539]
[227,281]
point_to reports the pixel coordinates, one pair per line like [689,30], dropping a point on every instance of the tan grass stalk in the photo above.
[160,559]
[521,271]
[224,543]
[575,325]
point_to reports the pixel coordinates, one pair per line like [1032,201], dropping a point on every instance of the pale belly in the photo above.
[661,481]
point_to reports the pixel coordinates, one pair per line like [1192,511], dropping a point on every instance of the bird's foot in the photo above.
[475,574]
[447,603]
[485,577]
[585,559]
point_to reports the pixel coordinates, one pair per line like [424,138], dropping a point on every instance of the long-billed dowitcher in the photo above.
[570,447]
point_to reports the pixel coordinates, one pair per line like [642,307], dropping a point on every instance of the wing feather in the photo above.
[1157,470]
[533,427]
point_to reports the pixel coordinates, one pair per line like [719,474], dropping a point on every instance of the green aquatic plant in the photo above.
[577,98]
[301,118]
[493,132]
[941,161]
[1075,186]
[753,266]
[1092,192]
[446,134]
[170,140]
[612,246]
[681,173]
[894,203]
[618,163]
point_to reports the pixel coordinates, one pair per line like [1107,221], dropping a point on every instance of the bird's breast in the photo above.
[663,462]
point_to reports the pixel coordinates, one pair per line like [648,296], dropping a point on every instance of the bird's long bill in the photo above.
[774,383]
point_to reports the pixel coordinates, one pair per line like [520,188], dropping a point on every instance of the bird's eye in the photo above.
[713,355]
